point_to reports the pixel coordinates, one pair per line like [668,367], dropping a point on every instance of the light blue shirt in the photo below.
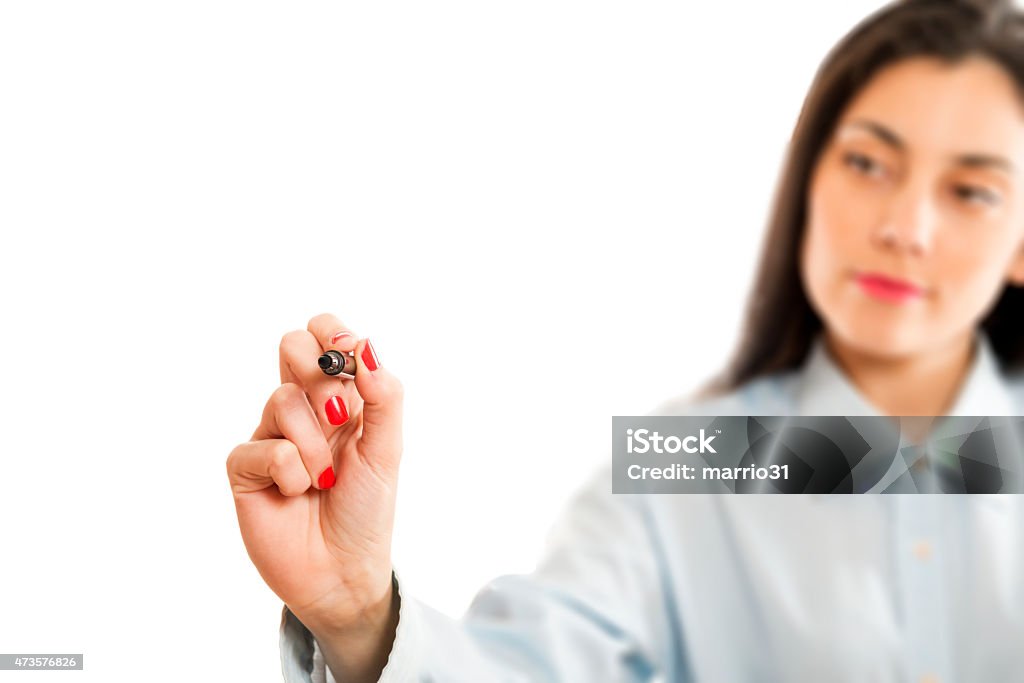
[722,588]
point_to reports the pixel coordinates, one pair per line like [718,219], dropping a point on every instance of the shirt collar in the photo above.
[824,389]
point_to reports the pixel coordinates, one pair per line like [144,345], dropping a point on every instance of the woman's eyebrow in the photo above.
[881,132]
[973,160]
[982,160]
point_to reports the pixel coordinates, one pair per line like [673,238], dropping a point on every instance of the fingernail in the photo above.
[326,479]
[337,413]
[340,335]
[370,357]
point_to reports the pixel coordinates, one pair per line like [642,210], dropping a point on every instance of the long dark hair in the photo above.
[779,322]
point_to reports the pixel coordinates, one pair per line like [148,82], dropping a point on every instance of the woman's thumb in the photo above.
[382,394]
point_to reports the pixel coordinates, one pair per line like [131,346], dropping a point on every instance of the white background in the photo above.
[542,213]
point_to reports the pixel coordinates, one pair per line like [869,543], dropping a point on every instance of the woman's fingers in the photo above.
[323,332]
[256,465]
[331,333]
[289,415]
[375,391]
[334,400]
[382,394]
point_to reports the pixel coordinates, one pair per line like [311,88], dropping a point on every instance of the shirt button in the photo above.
[922,550]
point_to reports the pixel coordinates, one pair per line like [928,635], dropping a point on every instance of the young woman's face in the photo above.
[916,207]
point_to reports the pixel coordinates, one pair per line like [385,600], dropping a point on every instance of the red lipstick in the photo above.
[888,288]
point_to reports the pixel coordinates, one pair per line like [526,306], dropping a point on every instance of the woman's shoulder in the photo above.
[772,394]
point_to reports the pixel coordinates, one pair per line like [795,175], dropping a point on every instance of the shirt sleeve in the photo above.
[597,608]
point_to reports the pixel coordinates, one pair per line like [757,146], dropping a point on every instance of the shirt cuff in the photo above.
[296,644]
[303,662]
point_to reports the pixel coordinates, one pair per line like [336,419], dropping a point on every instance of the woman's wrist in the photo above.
[358,649]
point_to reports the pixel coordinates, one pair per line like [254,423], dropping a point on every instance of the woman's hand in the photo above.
[314,488]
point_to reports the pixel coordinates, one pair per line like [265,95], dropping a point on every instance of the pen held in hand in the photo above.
[338,364]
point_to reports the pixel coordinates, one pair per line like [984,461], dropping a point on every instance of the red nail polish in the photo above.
[326,479]
[370,357]
[337,413]
[340,335]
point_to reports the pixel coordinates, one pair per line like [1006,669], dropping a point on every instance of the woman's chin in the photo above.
[881,335]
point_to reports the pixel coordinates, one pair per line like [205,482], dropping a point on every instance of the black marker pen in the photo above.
[338,364]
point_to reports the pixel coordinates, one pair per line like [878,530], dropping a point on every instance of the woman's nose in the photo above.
[908,222]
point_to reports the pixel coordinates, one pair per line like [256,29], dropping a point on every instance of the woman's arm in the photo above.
[597,608]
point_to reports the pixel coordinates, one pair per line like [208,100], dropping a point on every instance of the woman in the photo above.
[889,285]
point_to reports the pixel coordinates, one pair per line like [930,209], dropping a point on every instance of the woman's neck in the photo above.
[925,383]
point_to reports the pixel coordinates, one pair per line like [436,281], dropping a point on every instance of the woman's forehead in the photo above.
[932,107]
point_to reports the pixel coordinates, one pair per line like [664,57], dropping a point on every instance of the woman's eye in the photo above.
[863,164]
[973,194]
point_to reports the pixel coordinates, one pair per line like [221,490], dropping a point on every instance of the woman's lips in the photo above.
[888,288]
